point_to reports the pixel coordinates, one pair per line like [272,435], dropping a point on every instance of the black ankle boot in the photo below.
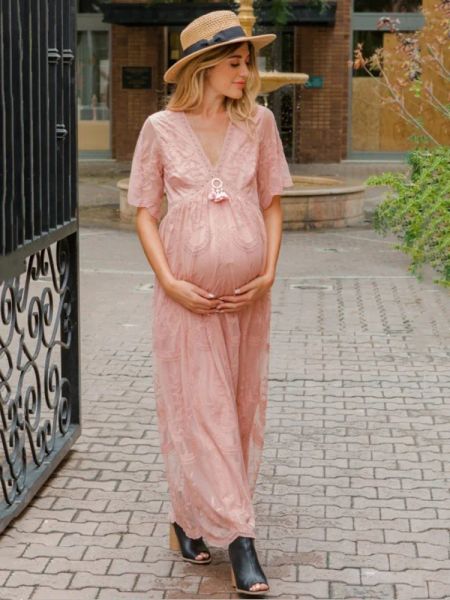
[245,567]
[189,547]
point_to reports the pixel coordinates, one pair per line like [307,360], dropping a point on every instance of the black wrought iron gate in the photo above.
[39,295]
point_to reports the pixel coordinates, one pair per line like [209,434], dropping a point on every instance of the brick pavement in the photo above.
[353,494]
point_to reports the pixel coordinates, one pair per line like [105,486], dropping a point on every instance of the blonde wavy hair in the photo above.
[188,93]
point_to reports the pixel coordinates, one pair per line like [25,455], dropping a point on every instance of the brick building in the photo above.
[334,118]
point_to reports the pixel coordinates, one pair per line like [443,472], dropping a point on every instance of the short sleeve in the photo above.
[146,184]
[273,171]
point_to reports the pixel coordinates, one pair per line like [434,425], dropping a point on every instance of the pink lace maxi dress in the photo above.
[210,371]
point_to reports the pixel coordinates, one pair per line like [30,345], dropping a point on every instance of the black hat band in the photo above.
[221,36]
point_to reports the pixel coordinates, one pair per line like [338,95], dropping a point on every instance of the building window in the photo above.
[93,82]
[376,128]
[93,76]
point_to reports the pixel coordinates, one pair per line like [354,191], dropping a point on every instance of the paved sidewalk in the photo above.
[353,495]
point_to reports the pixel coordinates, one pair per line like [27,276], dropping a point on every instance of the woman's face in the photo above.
[230,75]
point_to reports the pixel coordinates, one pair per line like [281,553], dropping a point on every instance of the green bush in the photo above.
[417,210]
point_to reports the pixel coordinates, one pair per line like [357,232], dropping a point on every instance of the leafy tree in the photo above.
[417,210]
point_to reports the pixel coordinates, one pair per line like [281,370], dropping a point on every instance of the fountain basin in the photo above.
[322,202]
[313,203]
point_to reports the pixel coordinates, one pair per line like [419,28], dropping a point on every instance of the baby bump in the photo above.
[218,246]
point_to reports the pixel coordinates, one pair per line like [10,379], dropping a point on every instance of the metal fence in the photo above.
[39,294]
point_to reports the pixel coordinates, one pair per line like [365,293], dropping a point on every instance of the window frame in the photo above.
[367,21]
[94,22]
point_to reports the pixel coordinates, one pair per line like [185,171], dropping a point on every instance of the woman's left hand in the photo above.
[245,295]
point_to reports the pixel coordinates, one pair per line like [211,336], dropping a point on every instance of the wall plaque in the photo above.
[136,78]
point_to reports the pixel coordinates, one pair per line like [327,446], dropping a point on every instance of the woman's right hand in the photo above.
[191,296]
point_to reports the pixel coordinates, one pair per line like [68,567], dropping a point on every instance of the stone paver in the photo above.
[353,495]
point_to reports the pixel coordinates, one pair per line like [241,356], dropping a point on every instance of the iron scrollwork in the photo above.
[36,328]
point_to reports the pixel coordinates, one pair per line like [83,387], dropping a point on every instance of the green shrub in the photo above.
[417,210]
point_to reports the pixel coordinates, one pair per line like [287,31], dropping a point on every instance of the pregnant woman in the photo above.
[217,155]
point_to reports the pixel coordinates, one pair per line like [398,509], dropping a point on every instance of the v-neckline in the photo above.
[197,141]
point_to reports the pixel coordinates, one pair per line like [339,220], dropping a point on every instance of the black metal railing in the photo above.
[39,294]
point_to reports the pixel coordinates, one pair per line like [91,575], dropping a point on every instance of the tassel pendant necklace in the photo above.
[217,193]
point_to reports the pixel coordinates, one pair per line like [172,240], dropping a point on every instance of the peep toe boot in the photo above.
[189,547]
[245,567]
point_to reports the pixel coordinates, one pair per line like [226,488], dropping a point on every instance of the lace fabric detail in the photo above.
[210,371]
[273,172]
[146,184]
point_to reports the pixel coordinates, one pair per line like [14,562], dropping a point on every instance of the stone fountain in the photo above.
[313,202]
[270,80]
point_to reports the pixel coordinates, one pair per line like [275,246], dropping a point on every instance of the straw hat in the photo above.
[213,29]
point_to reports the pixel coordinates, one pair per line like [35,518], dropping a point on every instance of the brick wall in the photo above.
[322,114]
[133,47]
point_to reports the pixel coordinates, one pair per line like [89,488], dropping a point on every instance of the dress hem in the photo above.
[214,541]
